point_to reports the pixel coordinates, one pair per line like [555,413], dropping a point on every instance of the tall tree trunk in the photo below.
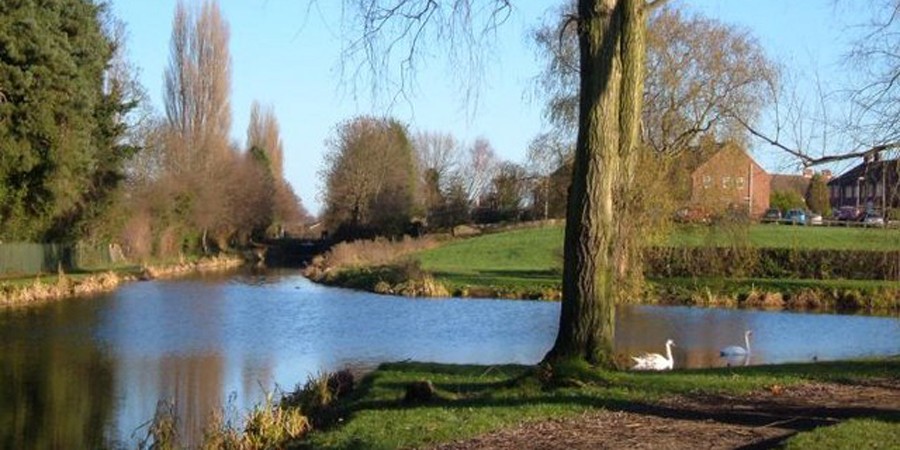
[629,271]
[608,136]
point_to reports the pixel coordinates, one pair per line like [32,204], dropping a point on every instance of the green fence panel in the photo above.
[26,258]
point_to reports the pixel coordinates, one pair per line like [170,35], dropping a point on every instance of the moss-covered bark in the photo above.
[597,246]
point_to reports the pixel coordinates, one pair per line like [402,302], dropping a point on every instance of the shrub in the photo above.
[162,431]
[273,426]
[317,396]
[377,252]
[731,262]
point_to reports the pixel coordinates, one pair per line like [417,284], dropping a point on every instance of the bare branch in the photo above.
[392,38]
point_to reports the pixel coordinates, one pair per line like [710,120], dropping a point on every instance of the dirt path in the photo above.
[759,420]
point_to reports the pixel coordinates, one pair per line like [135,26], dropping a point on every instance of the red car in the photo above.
[848,213]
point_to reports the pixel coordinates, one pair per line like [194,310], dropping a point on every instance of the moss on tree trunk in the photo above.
[598,241]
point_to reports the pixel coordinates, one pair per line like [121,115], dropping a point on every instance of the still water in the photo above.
[87,373]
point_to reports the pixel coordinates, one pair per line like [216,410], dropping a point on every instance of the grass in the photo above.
[476,399]
[850,435]
[527,258]
[530,260]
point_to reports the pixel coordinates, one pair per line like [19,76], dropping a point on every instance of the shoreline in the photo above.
[66,286]
[807,295]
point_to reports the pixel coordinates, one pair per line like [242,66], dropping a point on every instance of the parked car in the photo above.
[872,218]
[814,219]
[772,215]
[692,214]
[795,216]
[848,213]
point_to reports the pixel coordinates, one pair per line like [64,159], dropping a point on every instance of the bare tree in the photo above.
[198,83]
[701,74]
[437,155]
[478,169]
[846,121]
[198,111]
[437,152]
[370,176]
[508,190]
[876,118]
[549,161]
[264,133]
[265,148]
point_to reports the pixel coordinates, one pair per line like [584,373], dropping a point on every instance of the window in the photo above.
[740,182]
[726,182]
[707,181]
[848,191]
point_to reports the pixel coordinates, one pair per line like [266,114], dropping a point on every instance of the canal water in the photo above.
[88,373]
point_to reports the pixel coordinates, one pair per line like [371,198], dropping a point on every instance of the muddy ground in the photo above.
[759,420]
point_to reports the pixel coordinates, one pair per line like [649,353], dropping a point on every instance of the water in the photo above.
[88,373]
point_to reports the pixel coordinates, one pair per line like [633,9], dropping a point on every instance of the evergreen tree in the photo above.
[59,126]
[817,197]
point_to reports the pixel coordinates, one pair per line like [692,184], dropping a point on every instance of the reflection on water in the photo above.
[778,337]
[56,386]
[88,373]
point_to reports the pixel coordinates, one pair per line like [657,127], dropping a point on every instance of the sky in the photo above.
[287,55]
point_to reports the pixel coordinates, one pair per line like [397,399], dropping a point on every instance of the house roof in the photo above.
[790,183]
[870,168]
[722,148]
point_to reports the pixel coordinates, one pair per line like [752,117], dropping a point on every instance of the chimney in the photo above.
[807,173]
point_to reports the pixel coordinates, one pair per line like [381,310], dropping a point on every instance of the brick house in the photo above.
[872,185]
[731,179]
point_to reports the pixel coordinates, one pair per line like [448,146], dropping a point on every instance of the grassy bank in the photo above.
[27,291]
[472,400]
[526,264]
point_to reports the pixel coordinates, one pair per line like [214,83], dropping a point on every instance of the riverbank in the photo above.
[525,264]
[25,292]
[415,405]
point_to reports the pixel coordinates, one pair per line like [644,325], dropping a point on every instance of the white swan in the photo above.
[736,350]
[655,361]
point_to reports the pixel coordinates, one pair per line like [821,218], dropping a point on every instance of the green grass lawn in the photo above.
[476,399]
[853,434]
[531,259]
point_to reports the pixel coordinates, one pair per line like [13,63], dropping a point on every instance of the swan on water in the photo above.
[655,361]
[737,350]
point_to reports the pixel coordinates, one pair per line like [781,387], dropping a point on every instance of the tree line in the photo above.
[85,157]
[381,178]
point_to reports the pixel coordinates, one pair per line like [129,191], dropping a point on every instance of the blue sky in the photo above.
[288,56]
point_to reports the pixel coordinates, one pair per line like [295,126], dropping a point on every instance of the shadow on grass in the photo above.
[468,388]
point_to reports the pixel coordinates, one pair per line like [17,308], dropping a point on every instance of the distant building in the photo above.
[731,179]
[874,184]
[797,184]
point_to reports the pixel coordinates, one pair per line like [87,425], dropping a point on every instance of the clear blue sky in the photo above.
[286,56]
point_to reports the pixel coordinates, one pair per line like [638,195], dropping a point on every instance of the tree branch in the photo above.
[808,160]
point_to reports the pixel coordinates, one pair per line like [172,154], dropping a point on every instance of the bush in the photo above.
[376,252]
[273,426]
[316,398]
